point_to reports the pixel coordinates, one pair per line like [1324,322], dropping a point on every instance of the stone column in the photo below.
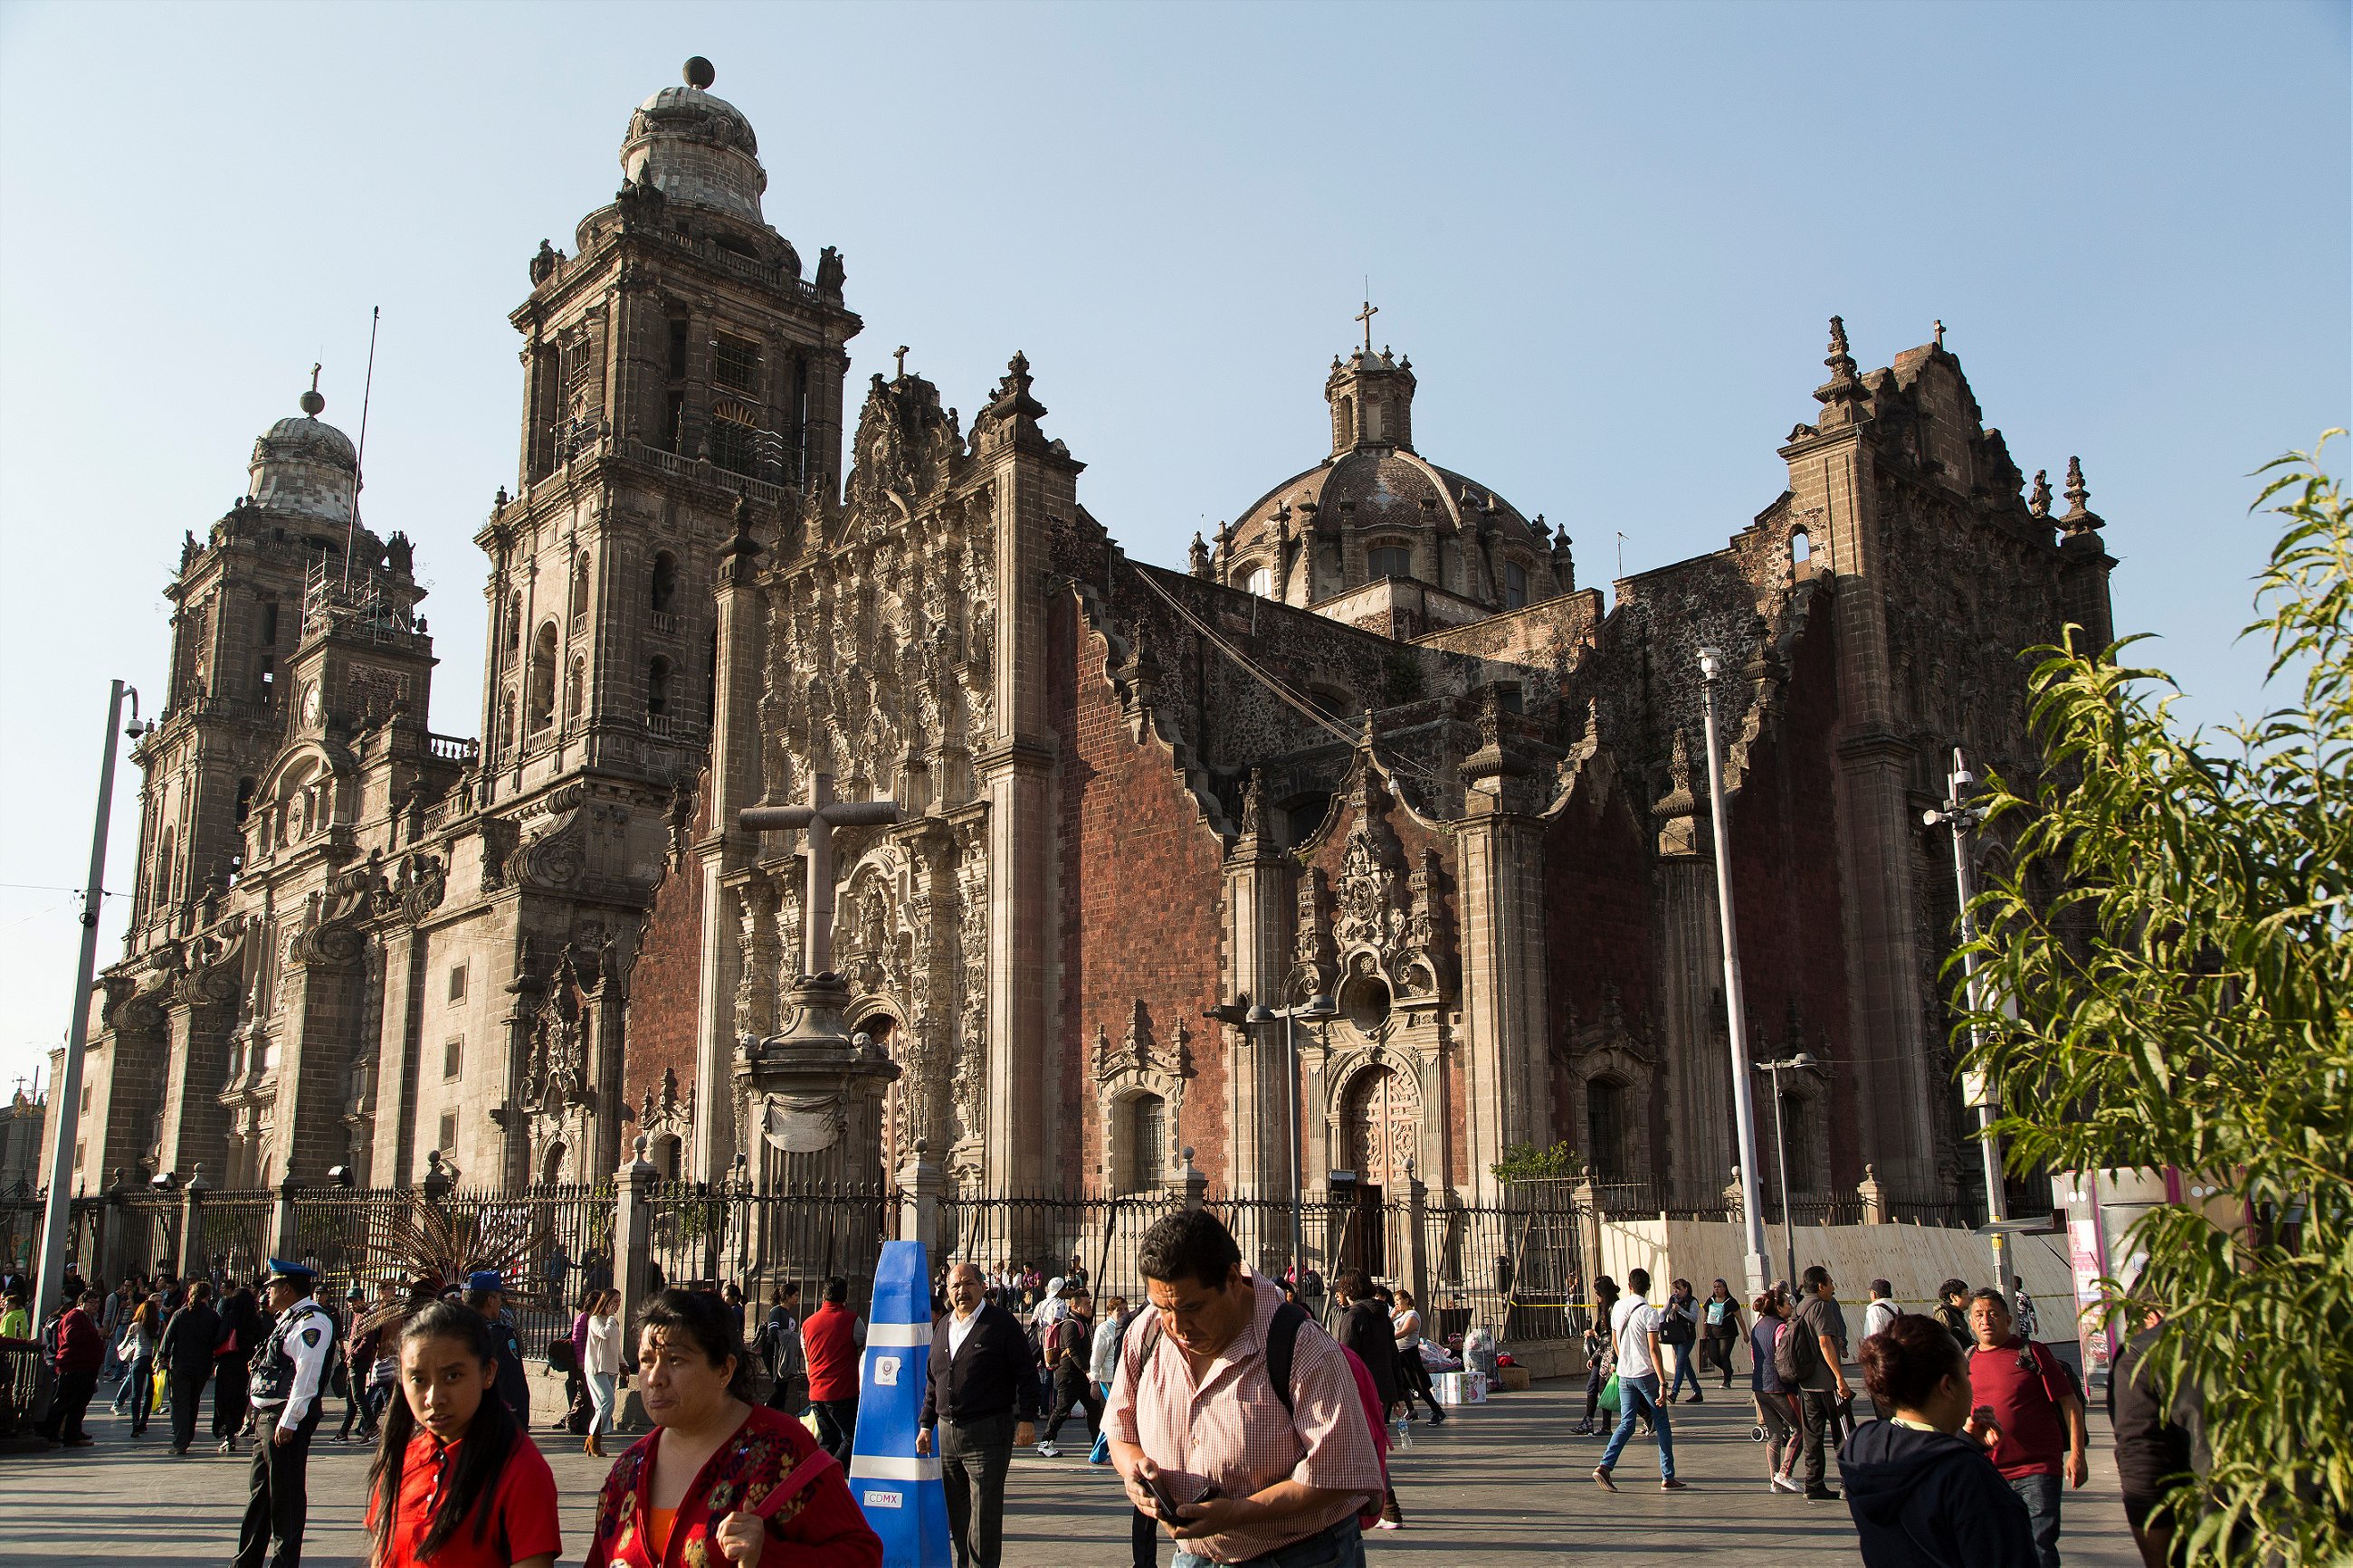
[195,1128]
[319,1022]
[1499,884]
[393,1156]
[1257,896]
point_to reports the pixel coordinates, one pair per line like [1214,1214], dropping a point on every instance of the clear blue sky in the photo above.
[1609,235]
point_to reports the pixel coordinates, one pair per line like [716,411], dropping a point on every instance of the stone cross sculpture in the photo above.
[818,820]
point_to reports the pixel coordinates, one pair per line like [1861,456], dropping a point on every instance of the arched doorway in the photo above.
[1381,1134]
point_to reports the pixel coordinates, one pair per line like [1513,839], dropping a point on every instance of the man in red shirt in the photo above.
[829,1341]
[2034,1407]
[81,1351]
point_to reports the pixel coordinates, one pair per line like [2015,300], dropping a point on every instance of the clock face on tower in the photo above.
[314,705]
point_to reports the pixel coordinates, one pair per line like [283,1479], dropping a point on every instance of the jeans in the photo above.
[278,1495]
[975,1457]
[1686,1367]
[2041,1494]
[837,1424]
[1340,1546]
[141,1380]
[1636,1395]
[601,1393]
[1101,1453]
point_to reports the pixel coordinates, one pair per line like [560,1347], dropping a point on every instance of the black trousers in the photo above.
[1413,1382]
[1143,1539]
[63,1423]
[1818,1411]
[232,1383]
[973,1457]
[188,1392]
[837,1424]
[1073,1391]
[279,1498]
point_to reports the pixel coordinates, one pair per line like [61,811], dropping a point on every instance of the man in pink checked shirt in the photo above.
[1239,1471]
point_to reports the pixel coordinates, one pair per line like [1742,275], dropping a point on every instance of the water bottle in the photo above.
[1401,1435]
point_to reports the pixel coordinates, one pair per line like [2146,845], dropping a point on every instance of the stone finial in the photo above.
[1198,557]
[2038,499]
[1843,390]
[699,73]
[1873,1196]
[1839,360]
[2079,519]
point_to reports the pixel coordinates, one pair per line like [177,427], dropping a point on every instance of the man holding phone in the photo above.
[1234,1420]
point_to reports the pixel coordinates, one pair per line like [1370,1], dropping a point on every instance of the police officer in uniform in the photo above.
[486,1293]
[288,1367]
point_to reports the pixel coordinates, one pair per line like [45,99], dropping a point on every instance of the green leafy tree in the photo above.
[2184,998]
[1526,1163]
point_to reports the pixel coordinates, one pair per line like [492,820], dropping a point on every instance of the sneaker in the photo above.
[81,1442]
[1392,1516]
[1786,1484]
[1048,1451]
[1436,1417]
[1602,1476]
[1673,1485]
[1583,1429]
[228,1445]
[1821,1494]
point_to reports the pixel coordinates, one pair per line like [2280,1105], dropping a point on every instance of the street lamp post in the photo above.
[1978,1089]
[1317,1007]
[1736,1015]
[1802,1061]
[64,1092]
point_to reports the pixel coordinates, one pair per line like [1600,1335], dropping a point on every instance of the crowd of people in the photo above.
[1976,1430]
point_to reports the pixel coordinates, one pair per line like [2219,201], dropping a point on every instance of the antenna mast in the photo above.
[359,458]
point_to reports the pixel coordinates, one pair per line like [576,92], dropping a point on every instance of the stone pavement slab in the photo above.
[1498,1486]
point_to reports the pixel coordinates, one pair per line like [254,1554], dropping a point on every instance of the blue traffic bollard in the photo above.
[900,1493]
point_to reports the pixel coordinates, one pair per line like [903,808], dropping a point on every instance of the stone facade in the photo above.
[1373,743]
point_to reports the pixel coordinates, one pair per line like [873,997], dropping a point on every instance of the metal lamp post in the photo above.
[1802,1061]
[1315,1008]
[1735,1013]
[65,1093]
[1962,819]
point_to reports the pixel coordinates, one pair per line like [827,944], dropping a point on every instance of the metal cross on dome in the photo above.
[818,820]
[1366,316]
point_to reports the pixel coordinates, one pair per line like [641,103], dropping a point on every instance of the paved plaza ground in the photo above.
[1497,1487]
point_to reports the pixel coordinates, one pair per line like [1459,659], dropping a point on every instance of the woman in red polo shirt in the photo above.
[470,1488]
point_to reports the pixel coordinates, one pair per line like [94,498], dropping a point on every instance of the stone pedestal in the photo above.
[812,1099]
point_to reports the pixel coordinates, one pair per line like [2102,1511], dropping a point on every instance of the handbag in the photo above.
[1609,1395]
[161,1385]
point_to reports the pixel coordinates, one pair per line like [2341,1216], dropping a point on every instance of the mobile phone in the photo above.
[1164,1503]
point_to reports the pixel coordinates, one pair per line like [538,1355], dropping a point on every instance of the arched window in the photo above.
[575,689]
[1515,585]
[658,687]
[666,1152]
[1605,1129]
[1388,559]
[1801,548]
[515,622]
[244,800]
[579,585]
[551,1164]
[1346,416]
[507,720]
[164,852]
[1145,1130]
[539,690]
[1258,580]
[1365,1001]
[664,584]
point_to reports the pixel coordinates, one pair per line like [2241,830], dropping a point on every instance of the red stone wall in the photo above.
[1598,930]
[666,985]
[1142,881]
[1784,885]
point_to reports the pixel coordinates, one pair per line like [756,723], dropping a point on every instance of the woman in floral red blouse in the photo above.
[720,1480]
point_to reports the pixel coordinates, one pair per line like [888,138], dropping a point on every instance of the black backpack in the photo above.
[1281,1342]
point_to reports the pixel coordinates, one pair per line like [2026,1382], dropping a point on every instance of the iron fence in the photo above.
[236,1234]
[1046,1232]
[760,1239]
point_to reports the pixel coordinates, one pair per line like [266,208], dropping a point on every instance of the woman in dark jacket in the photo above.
[1922,1492]
[242,1326]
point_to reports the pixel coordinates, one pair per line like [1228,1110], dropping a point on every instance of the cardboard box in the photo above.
[1512,1379]
[1460,1387]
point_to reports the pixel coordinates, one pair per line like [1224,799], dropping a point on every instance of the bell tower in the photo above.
[678,362]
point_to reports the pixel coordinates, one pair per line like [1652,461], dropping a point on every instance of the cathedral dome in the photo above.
[697,148]
[304,466]
[1375,509]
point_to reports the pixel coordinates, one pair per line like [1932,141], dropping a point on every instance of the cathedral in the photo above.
[1372,755]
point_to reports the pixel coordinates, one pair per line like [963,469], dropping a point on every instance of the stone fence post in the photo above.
[285,1229]
[1196,1185]
[1416,1241]
[919,1203]
[633,1232]
[1873,1196]
[190,1264]
[1588,1234]
[114,1250]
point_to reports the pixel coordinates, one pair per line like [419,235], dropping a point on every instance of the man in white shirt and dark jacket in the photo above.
[982,1400]
[288,1367]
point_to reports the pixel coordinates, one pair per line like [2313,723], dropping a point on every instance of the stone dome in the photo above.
[695,147]
[303,465]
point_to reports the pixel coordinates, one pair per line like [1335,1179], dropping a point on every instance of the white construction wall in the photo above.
[1914,1258]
